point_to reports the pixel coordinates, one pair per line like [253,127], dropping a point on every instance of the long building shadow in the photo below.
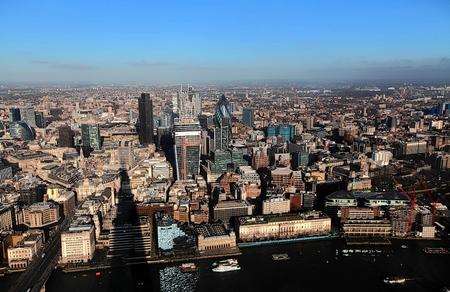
[130,244]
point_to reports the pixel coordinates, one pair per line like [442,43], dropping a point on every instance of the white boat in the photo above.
[226,262]
[394,280]
[226,266]
[188,267]
[280,257]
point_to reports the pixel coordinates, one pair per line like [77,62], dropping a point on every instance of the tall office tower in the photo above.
[222,124]
[188,102]
[271,131]
[21,130]
[125,155]
[175,103]
[166,118]
[145,119]
[28,116]
[206,121]
[130,116]
[205,141]
[444,108]
[392,123]
[222,161]
[14,114]
[300,159]
[40,120]
[309,123]
[260,157]
[247,116]
[287,132]
[187,136]
[66,137]
[56,113]
[90,136]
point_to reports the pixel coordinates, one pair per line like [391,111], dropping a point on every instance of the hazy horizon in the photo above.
[223,41]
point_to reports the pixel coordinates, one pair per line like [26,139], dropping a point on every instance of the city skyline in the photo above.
[202,145]
[96,183]
[155,43]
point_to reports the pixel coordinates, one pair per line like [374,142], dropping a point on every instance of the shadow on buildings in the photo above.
[130,243]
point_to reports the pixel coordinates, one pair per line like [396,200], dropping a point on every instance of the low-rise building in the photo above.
[6,217]
[428,231]
[167,230]
[272,227]
[249,175]
[66,199]
[281,176]
[276,205]
[40,214]
[341,199]
[199,216]
[24,250]
[78,242]
[359,184]
[350,213]
[214,237]
[225,210]
[402,219]
[387,199]
[367,228]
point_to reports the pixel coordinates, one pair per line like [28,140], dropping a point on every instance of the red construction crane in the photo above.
[412,203]
[430,196]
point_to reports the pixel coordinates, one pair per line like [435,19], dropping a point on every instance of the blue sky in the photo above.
[181,41]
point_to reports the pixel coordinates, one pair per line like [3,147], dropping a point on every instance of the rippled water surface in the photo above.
[313,266]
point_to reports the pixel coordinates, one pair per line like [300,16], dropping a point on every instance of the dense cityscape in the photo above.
[224,145]
[96,177]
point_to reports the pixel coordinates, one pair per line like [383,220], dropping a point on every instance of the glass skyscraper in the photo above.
[14,114]
[145,123]
[90,136]
[248,116]
[39,119]
[66,136]
[21,130]
[285,131]
[187,137]
[188,102]
[222,124]
[28,116]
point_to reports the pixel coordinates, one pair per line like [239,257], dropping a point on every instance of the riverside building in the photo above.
[286,226]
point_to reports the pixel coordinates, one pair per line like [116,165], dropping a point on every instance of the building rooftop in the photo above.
[211,229]
[282,171]
[80,223]
[231,204]
[386,196]
[246,169]
[163,220]
[41,206]
[341,195]
[263,219]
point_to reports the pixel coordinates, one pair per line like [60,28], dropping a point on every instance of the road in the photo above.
[40,269]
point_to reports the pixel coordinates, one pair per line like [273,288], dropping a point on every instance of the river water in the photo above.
[313,266]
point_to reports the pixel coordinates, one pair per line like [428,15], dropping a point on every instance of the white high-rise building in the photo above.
[188,102]
[276,205]
[187,136]
[78,243]
[382,157]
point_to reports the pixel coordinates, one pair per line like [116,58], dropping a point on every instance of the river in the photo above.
[313,266]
